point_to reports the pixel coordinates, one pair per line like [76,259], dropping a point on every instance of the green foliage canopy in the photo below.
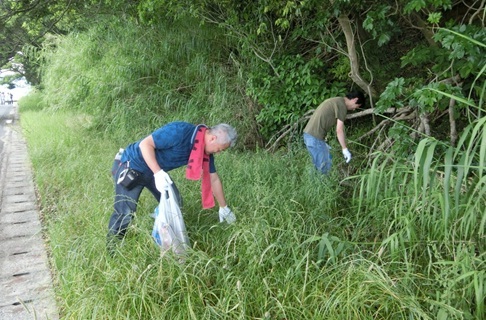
[395,39]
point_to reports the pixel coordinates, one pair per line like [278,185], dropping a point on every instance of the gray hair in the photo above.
[224,133]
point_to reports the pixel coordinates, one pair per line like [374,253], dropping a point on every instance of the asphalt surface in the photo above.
[26,290]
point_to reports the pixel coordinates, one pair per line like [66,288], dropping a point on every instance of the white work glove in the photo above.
[162,180]
[347,155]
[225,213]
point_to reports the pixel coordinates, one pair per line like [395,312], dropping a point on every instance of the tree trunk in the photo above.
[353,57]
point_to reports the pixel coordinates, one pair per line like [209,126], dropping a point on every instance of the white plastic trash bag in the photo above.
[169,229]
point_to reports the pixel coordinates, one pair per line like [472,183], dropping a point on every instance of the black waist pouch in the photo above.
[128,178]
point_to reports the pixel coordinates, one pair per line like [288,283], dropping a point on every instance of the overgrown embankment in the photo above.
[402,239]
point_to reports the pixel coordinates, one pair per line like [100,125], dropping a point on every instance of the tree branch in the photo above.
[452,122]
[289,129]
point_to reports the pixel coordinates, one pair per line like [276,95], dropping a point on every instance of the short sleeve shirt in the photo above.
[173,146]
[326,116]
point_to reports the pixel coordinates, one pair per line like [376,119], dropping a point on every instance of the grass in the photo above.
[297,251]
[125,74]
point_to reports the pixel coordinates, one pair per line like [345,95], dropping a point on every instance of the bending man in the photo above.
[332,112]
[144,164]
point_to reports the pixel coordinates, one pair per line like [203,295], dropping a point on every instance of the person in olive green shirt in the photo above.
[332,112]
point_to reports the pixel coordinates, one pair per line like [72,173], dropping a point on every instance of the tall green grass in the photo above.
[288,256]
[297,251]
[136,77]
[429,216]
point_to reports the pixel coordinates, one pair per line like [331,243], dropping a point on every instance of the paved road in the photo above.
[26,290]
[5,116]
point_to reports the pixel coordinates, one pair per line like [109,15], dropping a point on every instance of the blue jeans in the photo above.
[126,200]
[319,151]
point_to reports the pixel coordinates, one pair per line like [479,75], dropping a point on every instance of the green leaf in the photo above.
[414,5]
[449,95]
[368,23]
[434,17]
[481,44]
[384,38]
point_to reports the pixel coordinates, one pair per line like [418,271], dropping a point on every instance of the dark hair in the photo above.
[357,94]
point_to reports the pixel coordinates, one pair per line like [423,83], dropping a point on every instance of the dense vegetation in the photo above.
[291,55]
[399,233]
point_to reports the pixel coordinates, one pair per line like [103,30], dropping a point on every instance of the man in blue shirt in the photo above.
[167,148]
